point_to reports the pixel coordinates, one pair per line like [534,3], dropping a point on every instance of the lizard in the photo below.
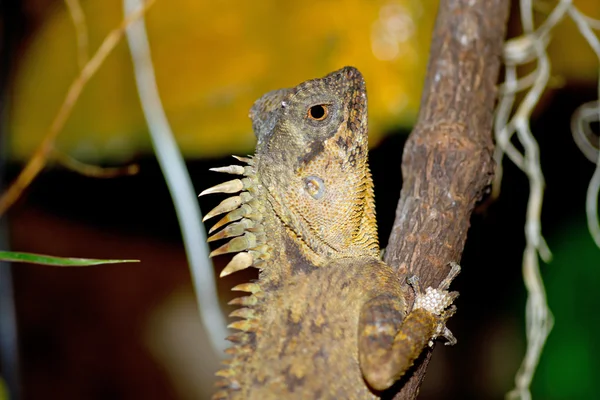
[326,319]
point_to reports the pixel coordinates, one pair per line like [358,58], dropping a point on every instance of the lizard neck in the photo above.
[288,254]
[292,251]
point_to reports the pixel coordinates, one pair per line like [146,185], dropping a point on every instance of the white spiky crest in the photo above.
[242,217]
[242,225]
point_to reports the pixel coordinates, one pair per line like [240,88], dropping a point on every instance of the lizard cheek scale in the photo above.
[327,319]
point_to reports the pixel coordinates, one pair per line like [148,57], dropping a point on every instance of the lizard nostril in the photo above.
[315,187]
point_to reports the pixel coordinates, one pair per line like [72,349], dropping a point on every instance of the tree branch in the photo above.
[447,162]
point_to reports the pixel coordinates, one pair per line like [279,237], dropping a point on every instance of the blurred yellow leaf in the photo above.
[212,60]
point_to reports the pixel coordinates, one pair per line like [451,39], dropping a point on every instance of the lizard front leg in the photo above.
[389,342]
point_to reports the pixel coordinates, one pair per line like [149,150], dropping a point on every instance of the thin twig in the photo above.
[93,171]
[40,157]
[178,181]
[81,31]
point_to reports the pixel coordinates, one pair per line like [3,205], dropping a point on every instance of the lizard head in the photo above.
[311,162]
[309,174]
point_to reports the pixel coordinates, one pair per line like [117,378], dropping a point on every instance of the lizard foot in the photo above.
[438,302]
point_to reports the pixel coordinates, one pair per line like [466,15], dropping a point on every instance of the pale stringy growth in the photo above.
[177,179]
[530,47]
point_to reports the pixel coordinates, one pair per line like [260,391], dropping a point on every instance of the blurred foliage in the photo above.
[570,367]
[212,61]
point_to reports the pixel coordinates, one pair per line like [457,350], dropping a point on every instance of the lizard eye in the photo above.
[318,112]
[315,187]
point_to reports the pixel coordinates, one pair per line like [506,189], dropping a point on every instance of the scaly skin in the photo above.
[327,319]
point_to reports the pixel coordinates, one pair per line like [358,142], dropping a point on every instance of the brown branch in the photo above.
[447,162]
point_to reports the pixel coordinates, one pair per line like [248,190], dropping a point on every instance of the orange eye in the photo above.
[318,112]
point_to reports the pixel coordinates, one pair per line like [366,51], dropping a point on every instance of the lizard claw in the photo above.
[443,330]
[445,285]
[438,302]
[451,340]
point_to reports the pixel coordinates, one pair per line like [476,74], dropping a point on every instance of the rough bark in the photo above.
[447,162]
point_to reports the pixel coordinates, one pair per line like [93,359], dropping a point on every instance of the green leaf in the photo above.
[55,261]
